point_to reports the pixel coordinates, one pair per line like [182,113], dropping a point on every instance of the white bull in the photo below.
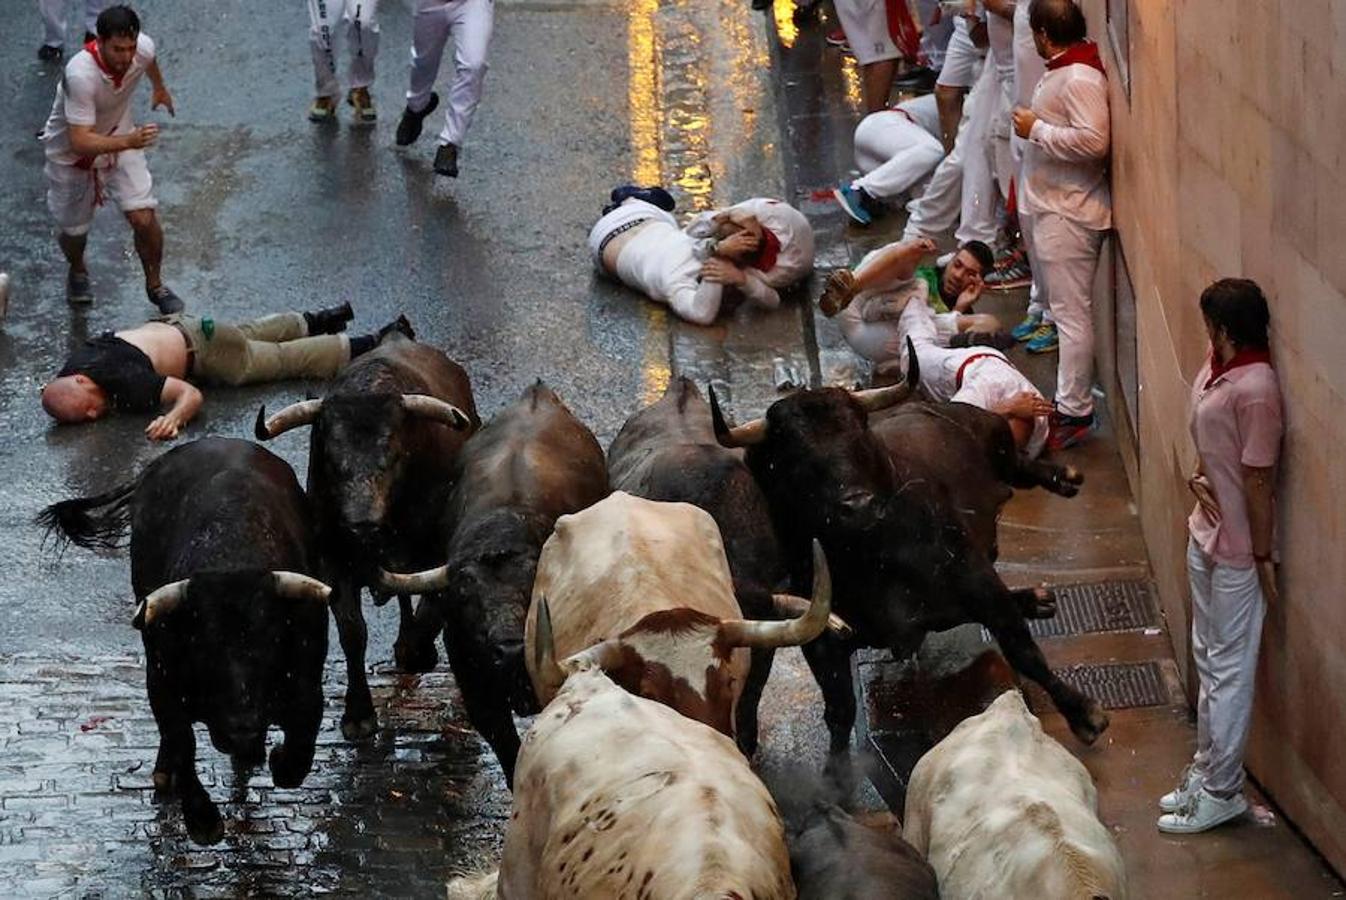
[1000,809]
[618,796]
[643,590]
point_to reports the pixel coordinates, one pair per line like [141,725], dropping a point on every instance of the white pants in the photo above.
[1066,257]
[961,57]
[53,19]
[470,22]
[980,199]
[359,20]
[1227,613]
[72,193]
[1039,304]
[894,153]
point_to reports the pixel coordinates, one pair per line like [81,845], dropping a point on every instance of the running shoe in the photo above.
[1027,328]
[323,110]
[164,298]
[1045,339]
[409,128]
[1203,812]
[359,98]
[852,200]
[1011,271]
[446,160]
[836,37]
[1064,432]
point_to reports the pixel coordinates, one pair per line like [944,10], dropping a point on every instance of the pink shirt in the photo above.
[1236,422]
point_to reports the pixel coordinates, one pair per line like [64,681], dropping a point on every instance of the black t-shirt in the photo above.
[120,369]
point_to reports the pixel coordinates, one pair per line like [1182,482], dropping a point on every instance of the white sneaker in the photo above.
[1203,812]
[1188,784]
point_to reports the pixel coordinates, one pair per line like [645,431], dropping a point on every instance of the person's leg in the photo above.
[906,151]
[362,40]
[275,329]
[936,211]
[955,77]
[1069,255]
[1235,636]
[92,9]
[876,83]
[70,199]
[977,221]
[430,32]
[472,23]
[53,22]
[1199,568]
[323,15]
[130,186]
[229,357]
[1039,303]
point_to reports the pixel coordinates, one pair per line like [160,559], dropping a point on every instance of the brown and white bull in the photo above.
[642,589]
[1000,809]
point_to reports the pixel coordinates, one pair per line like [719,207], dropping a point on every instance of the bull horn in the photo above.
[426,582]
[162,600]
[294,586]
[436,410]
[793,605]
[791,632]
[741,436]
[292,416]
[550,675]
[876,399]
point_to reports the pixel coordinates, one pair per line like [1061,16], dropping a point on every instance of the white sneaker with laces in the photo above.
[1188,784]
[1203,812]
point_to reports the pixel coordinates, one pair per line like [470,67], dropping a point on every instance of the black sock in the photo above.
[309,321]
[363,344]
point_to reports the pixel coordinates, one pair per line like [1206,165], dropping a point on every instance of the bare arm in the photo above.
[160,95]
[185,402]
[84,141]
[1258,487]
[896,262]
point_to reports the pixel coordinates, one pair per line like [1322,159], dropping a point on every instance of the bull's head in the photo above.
[686,659]
[225,639]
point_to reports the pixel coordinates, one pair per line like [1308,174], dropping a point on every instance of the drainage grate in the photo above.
[1115,686]
[1096,607]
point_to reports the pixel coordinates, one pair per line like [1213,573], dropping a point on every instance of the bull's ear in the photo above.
[138,620]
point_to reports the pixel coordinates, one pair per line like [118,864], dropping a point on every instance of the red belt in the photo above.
[958,379]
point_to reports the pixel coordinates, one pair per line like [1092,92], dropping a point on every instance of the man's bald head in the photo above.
[1060,21]
[71,399]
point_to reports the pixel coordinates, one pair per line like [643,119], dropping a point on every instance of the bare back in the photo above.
[163,344]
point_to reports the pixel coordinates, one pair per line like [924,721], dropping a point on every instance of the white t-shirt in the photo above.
[88,96]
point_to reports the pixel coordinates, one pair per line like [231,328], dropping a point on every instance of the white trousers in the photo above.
[980,199]
[894,153]
[1066,257]
[358,19]
[1227,613]
[470,22]
[53,19]
[1038,302]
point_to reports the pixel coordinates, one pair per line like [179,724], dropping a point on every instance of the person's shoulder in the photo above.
[1258,383]
[81,70]
[145,48]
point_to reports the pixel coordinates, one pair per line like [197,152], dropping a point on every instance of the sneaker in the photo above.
[1009,277]
[446,160]
[78,291]
[409,127]
[1064,432]
[164,298]
[1202,812]
[837,292]
[1045,339]
[1027,328]
[48,53]
[359,99]
[852,200]
[836,37]
[1188,784]
[322,110]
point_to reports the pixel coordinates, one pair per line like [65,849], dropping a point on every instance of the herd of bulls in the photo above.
[632,603]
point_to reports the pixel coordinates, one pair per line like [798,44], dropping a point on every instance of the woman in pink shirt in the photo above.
[1236,425]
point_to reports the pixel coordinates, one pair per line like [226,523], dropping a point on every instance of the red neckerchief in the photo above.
[1240,358]
[1085,53]
[765,260]
[92,47]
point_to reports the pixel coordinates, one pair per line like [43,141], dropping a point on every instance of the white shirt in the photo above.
[88,96]
[1065,162]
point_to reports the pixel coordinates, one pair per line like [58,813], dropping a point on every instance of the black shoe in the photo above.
[446,160]
[1000,340]
[654,195]
[48,53]
[409,128]
[919,80]
[760,5]
[331,320]
[78,291]
[401,326]
[164,298]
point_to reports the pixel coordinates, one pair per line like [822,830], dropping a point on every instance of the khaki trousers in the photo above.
[271,348]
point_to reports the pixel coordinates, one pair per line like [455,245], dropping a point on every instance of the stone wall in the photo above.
[1228,159]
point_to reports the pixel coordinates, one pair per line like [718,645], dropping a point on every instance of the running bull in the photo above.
[905,558]
[234,625]
[534,462]
[380,469]
[668,452]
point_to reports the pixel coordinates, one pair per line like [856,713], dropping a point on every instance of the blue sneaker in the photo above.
[1024,330]
[1044,340]
[852,200]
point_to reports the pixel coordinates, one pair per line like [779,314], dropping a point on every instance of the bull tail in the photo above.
[77,522]
[473,887]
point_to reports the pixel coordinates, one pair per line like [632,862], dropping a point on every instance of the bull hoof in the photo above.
[414,658]
[1094,723]
[282,773]
[1073,475]
[204,825]
[1041,604]
[358,729]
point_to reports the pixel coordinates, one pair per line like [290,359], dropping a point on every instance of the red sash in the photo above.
[1085,53]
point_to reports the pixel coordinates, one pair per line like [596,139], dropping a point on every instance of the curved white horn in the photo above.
[426,582]
[165,599]
[550,675]
[436,409]
[292,416]
[876,399]
[295,586]
[753,432]
[791,632]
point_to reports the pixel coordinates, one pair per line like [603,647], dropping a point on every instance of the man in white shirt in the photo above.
[53,21]
[1064,189]
[358,22]
[94,148]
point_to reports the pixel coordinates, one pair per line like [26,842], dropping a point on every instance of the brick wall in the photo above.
[1228,159]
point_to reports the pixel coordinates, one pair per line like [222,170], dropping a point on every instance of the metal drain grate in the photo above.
[1095,607]
[1115,686]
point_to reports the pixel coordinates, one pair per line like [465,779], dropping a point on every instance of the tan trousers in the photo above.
[271,348]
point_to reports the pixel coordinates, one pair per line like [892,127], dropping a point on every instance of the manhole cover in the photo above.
[1115,686]
[1096,607]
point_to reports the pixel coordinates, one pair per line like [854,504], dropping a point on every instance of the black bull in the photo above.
[380,470]
[910,551]
[235,631]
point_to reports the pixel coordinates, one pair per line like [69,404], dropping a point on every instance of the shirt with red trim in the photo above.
[90,95]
